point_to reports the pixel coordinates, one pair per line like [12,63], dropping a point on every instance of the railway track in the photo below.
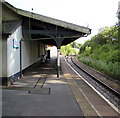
[108,93]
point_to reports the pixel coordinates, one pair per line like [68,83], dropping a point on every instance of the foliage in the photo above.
[109,68]
[75,45]
[68,50]
[102,51]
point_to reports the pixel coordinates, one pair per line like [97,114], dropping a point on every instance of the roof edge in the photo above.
[48,19]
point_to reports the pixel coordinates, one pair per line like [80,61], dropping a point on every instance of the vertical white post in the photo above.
[58,62]
[58,44]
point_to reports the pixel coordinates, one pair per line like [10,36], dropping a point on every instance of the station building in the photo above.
[25,36]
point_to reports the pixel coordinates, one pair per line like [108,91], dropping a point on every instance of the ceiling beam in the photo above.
[50,33]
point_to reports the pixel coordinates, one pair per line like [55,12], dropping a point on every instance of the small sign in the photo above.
[50,45]
[15,44]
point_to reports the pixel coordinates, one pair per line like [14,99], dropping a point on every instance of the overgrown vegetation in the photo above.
[69,49]
[102,51]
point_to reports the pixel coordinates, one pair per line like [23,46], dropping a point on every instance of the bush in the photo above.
[102,51]
[110,68]
[68,50]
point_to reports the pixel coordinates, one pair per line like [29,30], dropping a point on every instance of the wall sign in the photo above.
[15,44]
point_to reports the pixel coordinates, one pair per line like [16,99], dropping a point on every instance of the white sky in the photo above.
[89,13]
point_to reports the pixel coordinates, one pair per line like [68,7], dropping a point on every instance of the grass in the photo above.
[111,69]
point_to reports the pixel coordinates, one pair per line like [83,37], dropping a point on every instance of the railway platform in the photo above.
[40,93]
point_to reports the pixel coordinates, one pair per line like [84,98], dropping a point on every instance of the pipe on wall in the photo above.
[20,58]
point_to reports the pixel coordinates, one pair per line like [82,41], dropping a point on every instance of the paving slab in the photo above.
[60,101]
[40,91]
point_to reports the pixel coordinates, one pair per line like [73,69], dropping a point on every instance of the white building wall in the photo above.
[30,53]
[33,52]
[10,56]
[13,54]
[25,54]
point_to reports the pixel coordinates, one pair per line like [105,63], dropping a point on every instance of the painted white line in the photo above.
[82,91]
[114,107]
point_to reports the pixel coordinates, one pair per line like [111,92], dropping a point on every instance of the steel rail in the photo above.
[117,94]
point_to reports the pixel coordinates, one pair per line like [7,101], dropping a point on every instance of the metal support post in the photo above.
[58,44]
[58,62]
[20,58]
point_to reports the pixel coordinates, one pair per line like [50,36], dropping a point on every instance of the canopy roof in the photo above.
[49,30]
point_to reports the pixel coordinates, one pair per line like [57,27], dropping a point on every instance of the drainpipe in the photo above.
[20,58]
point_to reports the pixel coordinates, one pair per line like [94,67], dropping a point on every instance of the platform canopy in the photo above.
[49,30]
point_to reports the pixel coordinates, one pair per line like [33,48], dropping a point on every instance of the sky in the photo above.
[93,14]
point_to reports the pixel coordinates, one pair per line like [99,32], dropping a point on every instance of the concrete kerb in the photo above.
[80,98]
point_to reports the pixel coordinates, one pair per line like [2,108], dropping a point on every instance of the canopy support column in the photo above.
[58,62]
[58,43]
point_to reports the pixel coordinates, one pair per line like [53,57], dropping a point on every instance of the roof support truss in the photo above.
[51,33]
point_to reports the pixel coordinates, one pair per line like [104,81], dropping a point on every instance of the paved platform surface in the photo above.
[32,96]
[91,103]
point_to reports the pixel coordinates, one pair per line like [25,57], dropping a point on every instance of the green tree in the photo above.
[103,48]
[75,45]
[68,50]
